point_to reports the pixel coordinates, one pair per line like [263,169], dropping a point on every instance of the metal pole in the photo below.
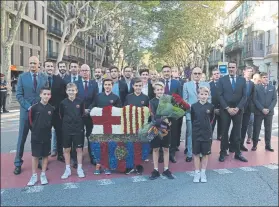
[85,49]
[223,46]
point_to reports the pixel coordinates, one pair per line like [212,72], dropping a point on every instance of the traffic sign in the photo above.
[223,68]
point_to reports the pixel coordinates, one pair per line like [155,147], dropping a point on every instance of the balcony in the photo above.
[238,21]
[80,41]
[90,47]
[52,55]
[54,31]
[55,7]
[235,46]
[254,50]
[100,42]
[272,50]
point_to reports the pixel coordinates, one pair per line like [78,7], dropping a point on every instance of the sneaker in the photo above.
[80,173]
[107,172]
[43,179]
[66,174]
[33,180]
[203,178]
[168,174]
[154,175]
[197,177]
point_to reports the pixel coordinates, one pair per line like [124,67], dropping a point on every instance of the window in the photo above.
[12,55]
[21,55]
[49,46]
[43,15]
[49,21]
[30,52]
[26,9]
[35,12]
[57,46]
[39,37]
[22,30]
[39,53]
[30,34]
[268,38]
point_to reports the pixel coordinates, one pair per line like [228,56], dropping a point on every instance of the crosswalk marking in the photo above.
[33,189]
[191,173]
[137,179]
[222,171]
[2,191]
[272,166]
[105,182]
[70,185]
[248,169]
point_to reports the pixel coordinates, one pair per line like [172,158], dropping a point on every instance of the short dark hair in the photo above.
[107,80]
[127,67]
[61,62]
[73,61]
[143,70]
[48,61]
[44,88]
[263,74]
[232,61]
[166,66]
[137,80]
[113,67]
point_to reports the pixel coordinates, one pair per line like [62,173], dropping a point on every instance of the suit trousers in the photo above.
[88,130]
[3,98]
[175,136]
[250,126]
[226,119]
[245,123]
[57,125]
[188,138]
[258,119]
[24,127]
[180,122]
[217,119]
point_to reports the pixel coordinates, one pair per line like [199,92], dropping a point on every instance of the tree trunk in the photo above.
[6,62]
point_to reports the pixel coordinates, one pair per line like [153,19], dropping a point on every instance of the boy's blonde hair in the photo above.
[204,89]
[71,85]
[158,84]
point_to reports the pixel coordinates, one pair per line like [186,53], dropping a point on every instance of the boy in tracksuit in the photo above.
[40,118]
[71,111]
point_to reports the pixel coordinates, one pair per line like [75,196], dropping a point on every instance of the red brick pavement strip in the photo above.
[56,168]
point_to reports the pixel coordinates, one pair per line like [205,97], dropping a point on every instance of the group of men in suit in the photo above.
[233,97]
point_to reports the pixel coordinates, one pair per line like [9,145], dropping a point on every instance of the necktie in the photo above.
[74,78]
[85,87]
[167,90]
[49,81]
[247,87]
[233,82]
[197,87]
[35,81]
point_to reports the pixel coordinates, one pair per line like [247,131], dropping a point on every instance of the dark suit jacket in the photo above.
[264,99]
[91,94]
[67,79]
[175,87]
[58,91]
[123,90]
[230,98]
[215,100]
[249,105]
[131,84]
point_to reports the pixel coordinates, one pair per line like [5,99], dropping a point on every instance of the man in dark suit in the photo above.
[58,94]
[248,71]
[87,91]
[62,70]
[98,75]
[119,87]
[232,94]
[215,101]
[73,70]
[128,78]
[265,99]
[28,93]
[172,86]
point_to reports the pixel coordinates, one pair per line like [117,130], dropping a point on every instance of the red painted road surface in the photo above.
[56,168]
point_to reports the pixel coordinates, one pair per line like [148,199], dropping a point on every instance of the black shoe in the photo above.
[188,159]
[243,148]
[221,158]
[168,174]
[17,170]
[172,159]
[61,158]
[269,149]
[259,139]
[161,159]
[154,175]
[185,151]
[177,149]
[254,148]
[5,111]
[241,158]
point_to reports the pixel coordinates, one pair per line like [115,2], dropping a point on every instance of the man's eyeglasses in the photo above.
[197,73]
[85,70]
[231,67]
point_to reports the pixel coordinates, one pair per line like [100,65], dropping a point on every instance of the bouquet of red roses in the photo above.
[179,102]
